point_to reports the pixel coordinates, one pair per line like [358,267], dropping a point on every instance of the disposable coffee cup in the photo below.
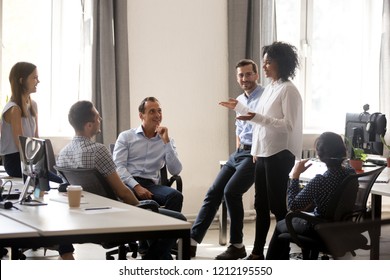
[74,195]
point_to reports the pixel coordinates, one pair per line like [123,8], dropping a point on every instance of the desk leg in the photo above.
[15,253]
[375,241]
[376,207]
[184,249]
[223,225]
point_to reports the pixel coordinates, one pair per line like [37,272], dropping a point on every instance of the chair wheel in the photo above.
[110,258]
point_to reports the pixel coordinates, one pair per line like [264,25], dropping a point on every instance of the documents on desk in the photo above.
[97,210]
[384,177]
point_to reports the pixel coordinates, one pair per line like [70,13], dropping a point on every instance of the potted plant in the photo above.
[358,156]
[388,149]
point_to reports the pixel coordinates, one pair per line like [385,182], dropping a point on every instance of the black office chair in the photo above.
[349,203]
[51,160]
[342,236]
[92,181]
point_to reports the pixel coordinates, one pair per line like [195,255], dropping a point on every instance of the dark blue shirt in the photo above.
[317,192]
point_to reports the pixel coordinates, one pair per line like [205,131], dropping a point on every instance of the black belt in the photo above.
[244,147]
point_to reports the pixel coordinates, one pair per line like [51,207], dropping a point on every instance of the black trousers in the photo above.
[271,179]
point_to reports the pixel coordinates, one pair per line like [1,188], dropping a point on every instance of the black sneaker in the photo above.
[232,253]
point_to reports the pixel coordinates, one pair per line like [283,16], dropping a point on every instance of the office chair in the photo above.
[92,181]
[337,237]
[348,203]
[51,160]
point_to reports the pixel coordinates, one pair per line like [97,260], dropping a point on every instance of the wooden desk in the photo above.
[58,223]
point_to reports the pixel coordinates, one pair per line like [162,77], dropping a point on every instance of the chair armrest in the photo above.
[149,205]
[178,180]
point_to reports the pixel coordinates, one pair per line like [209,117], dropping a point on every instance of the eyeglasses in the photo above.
[246,75]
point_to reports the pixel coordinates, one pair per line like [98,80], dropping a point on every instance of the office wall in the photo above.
[178,53]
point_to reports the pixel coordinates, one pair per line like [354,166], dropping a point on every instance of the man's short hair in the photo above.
[245,62]
[141,107]
[81,113]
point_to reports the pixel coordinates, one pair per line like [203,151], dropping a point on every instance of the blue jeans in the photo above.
[232,181]
[166,196]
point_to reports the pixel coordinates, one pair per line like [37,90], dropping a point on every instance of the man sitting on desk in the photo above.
[82,152]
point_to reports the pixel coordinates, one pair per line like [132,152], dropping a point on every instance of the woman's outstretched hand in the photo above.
[231,104]
[247,117]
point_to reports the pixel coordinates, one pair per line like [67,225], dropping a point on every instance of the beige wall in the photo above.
[178,53]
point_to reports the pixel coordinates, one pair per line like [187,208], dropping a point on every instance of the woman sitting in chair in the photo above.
[317,193]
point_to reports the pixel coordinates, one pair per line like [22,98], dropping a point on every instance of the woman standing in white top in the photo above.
[277,137]
[19,116]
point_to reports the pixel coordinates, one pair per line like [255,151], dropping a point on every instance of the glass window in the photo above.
[339,44]
[48,34]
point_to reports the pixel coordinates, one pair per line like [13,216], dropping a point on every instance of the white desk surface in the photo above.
[56,218]
[382,189]
[13,229]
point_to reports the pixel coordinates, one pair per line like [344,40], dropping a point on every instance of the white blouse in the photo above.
[278,120]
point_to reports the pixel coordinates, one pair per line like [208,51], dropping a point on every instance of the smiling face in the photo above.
[152,116]
[31,83]
[247,78]
[270,68]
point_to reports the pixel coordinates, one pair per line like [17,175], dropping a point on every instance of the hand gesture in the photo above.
[300,167]
[231,104]
[247,117]
[163,132]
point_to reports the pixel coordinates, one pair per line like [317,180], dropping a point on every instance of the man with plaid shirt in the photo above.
[83,152]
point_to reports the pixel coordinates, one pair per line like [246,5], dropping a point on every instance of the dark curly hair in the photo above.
[285,56]
[331,149]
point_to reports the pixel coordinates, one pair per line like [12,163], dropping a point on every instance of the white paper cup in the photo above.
[74,195]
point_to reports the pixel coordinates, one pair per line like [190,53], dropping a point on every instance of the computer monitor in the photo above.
[34,166]
[363,130]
